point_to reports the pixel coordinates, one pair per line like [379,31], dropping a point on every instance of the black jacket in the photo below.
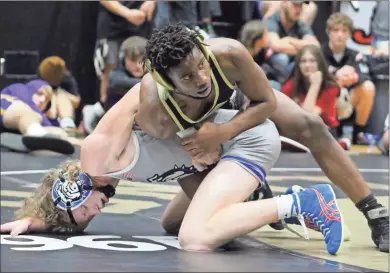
[352,58]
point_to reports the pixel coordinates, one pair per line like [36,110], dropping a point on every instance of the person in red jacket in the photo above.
[312,87]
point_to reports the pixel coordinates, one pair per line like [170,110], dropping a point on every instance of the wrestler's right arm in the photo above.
[24,225]
[104,146]
[110,140]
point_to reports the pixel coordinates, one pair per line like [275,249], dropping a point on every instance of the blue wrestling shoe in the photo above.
[317,207]
[308,223]
[294,220]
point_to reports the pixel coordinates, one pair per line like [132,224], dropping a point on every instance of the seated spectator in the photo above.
[287,36]
[350,71]
[312,87]
[66,98]
[128,73]
[309,10]
[23,108]
[254,35]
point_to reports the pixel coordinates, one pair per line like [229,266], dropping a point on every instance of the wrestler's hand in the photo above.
[16,227]
[199,166]
[206,140]
[208,159]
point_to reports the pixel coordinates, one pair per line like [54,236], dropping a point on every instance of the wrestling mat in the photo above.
[128,237]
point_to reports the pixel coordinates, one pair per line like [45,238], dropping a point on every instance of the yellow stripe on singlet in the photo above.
[8,97]
[162,92]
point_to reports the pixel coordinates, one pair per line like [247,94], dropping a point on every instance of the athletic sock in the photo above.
[67,122]
[368,203]
[98,109]
[36,129]
[284,204]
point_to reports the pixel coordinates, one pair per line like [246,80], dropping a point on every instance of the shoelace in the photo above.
[301,219]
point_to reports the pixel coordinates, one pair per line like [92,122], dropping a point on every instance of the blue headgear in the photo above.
[70,194]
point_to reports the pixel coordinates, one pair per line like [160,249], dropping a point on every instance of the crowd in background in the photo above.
[329,79]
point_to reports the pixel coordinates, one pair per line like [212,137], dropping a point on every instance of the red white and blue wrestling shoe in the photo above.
[317,208]
[294,220]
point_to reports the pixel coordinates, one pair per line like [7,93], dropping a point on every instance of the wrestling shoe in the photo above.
[263,191]
[308,223]
[318,205]
[48,142]
[378,221]
[295,221]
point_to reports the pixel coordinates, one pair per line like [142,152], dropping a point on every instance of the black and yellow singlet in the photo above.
[223,90]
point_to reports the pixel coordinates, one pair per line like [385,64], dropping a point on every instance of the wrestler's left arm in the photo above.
[238,65]
[254,84]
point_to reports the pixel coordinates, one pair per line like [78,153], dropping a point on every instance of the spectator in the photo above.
[172,12]
[287,36]
[254,35]
[312,87]
[118,20]
[23,108]
[206,11]
[128,73]
[350,71]
[66,98]
[309,10]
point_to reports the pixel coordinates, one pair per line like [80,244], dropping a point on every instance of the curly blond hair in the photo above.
[40,204]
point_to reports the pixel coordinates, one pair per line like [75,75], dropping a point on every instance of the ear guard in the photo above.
[160,79]
[69,195]
[157,76]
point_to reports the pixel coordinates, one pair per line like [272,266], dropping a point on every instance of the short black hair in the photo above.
[168,46]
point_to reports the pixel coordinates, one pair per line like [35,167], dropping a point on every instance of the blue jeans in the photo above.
[282,65]
[378,38]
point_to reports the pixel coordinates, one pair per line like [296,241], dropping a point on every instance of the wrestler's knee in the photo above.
[311,129]
[195,241]
[169,226]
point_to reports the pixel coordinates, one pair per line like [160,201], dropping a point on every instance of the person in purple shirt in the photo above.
[25,109]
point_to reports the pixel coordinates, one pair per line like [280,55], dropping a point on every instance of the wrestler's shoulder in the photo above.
[225,48]
[148,86]
[147,81]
